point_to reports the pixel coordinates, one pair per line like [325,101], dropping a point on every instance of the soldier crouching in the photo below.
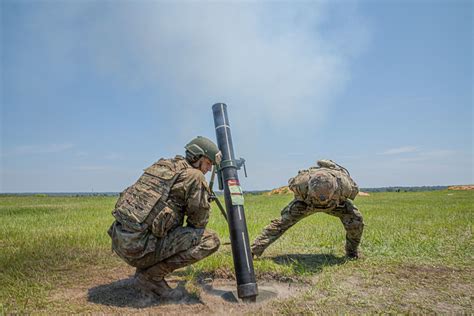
[148,231]
[327,188]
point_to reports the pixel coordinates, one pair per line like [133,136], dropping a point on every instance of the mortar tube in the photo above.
[247,289]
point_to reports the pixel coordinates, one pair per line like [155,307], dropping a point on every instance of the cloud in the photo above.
[274,61]
[430,156]
[92,168]
[295,154]
[81,154]
[423,167]
[400,150]
[277,70]
[113,156]
[40,149]
[278,65]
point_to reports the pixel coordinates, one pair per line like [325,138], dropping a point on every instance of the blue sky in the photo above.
[92,92]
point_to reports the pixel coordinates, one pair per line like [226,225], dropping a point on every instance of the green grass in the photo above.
[46,242]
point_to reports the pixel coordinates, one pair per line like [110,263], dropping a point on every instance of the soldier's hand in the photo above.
[212,197]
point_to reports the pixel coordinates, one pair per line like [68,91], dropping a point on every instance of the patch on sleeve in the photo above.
[236,194]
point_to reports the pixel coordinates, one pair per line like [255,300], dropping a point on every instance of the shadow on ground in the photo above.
[309,263]
[123,293]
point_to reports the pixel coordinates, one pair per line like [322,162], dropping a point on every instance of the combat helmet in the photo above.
[202,146]
[322,187]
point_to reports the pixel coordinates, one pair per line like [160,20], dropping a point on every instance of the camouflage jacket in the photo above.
[166,193]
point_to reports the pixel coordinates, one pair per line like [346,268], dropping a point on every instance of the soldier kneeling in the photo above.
[327,188]
[148,231]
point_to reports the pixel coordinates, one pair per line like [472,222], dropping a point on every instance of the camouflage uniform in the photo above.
[327,188]
[148,232]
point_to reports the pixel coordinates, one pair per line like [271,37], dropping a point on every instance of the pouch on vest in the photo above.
[166,220]
[348,187]
[299,184]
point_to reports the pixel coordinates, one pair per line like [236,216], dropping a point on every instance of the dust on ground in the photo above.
[115,292]
[401,289]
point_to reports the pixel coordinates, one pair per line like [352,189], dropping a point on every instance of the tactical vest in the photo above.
[140,203]
[324,186]
[141,211]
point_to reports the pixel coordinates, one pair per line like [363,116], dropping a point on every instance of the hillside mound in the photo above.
[462,187]
[280,190]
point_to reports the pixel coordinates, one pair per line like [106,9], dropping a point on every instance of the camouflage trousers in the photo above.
[296,210]
[181,247]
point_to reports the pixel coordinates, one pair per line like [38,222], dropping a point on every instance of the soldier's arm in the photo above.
[197,194]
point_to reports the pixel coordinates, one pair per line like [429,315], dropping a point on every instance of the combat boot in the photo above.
[257,251]
[352,254]
[157,286]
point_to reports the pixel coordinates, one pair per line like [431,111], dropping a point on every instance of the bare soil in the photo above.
[407,288]
[114,292]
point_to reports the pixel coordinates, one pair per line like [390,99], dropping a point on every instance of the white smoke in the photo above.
[279,66]
[274,61]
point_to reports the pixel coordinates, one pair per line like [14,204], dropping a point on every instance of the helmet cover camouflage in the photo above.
[321,187]
[202,146]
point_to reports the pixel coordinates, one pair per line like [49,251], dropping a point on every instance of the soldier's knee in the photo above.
[296,210]
[356,227]
[354,217]
[211,241]
[359,224]
[215,242]
[354,223]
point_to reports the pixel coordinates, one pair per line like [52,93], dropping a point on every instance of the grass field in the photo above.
[417,253]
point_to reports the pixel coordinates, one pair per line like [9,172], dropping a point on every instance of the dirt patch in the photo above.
[347,289]
[111,293]
[462,187]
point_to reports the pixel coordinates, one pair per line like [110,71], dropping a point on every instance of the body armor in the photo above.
[141,212]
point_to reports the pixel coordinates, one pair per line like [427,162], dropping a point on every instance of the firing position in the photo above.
[149,231]
[326,188]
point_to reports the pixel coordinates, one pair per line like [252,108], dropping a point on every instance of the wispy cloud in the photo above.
[432,155]
[112,156]
[275,60]
[295,154]
[92,168]
[40,149]
[81,154]
[400,150]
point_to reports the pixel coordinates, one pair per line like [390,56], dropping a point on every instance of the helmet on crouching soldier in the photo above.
[202,146]
[324,186]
